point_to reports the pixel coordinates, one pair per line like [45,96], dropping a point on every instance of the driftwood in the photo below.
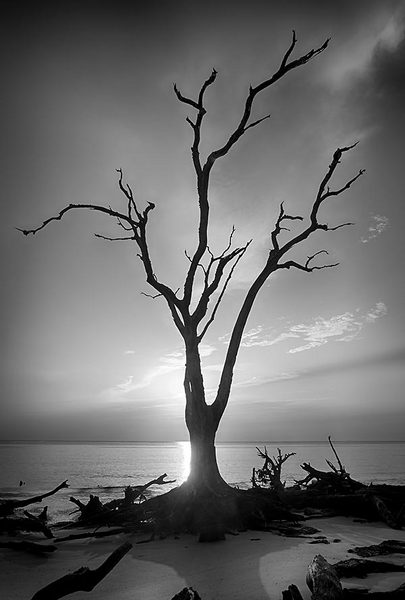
[84,579]
[356,594]
[270,473]
[323,581]
[26,546]
[386,514]
[95,534]
[337,479]
[360,567]
[115,510]
[187,594]
[292,593]
[382,549]
[12,526]
[7,507]
[42,517]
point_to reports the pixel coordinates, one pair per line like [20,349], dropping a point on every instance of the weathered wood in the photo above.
[382,549]
[8,506]
[292,593]
[84,579]
[356,594]
[360,567]
[270,473]
[385,513]
[42,517]
[95,534]
[11,526]
[323,581]
[187,594]
[31,547]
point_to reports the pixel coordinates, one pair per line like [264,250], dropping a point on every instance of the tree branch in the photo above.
[221,295]
[115,239]
[306,267]
[84,579]
[7,507]
[284,68]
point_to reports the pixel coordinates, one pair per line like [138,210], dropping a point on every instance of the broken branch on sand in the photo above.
[84,579]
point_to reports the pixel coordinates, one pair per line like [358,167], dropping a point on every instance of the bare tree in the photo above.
[193,319]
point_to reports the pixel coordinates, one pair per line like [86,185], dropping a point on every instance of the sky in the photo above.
[87,89]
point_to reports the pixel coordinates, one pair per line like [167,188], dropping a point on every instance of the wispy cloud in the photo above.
[168,363]
[356,56]
[378,225]
[340,328]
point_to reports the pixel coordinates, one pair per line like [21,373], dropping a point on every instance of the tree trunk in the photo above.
[202,425]
[204,471]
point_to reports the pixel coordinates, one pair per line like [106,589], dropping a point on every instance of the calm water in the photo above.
[104,468]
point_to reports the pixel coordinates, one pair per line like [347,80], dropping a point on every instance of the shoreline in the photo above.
[254,564]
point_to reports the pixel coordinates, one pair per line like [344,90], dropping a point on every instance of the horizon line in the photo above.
[261,441]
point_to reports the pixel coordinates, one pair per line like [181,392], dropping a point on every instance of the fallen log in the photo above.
[97,512]
[8,506]
[358,594]
[12,526]
[95,534]
[31,547]
[323,581]
[84,579]
[360,567]
[382,549]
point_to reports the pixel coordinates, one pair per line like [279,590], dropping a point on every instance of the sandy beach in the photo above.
[254,564]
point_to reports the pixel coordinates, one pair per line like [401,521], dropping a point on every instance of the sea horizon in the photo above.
[252,441]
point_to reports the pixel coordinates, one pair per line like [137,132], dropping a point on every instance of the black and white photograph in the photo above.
[202,300]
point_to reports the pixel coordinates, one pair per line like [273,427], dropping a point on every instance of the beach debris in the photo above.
[361,567]
[292,593]
[95,534]
[43,515]
[84,579]
[7,507]
[117,509]
[14,525]
[187,593]
[27,546]
[270,473]
[364,594]
[323,581]
[337,479]
[393,521]
[382,549]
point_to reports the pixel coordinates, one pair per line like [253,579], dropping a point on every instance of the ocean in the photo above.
[105,468]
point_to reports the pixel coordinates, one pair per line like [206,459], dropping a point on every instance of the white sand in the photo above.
[250,566]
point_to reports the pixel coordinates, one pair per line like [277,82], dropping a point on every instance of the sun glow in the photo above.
[185,459]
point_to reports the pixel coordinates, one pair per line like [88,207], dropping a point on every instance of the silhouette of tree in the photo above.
[193,319]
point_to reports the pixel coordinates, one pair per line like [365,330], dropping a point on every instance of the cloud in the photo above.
[340,328]
[379,224]
[169,363]
[355,58]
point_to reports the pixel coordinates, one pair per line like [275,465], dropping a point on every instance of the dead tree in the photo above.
[270,473]
[192,313]
[337,479]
